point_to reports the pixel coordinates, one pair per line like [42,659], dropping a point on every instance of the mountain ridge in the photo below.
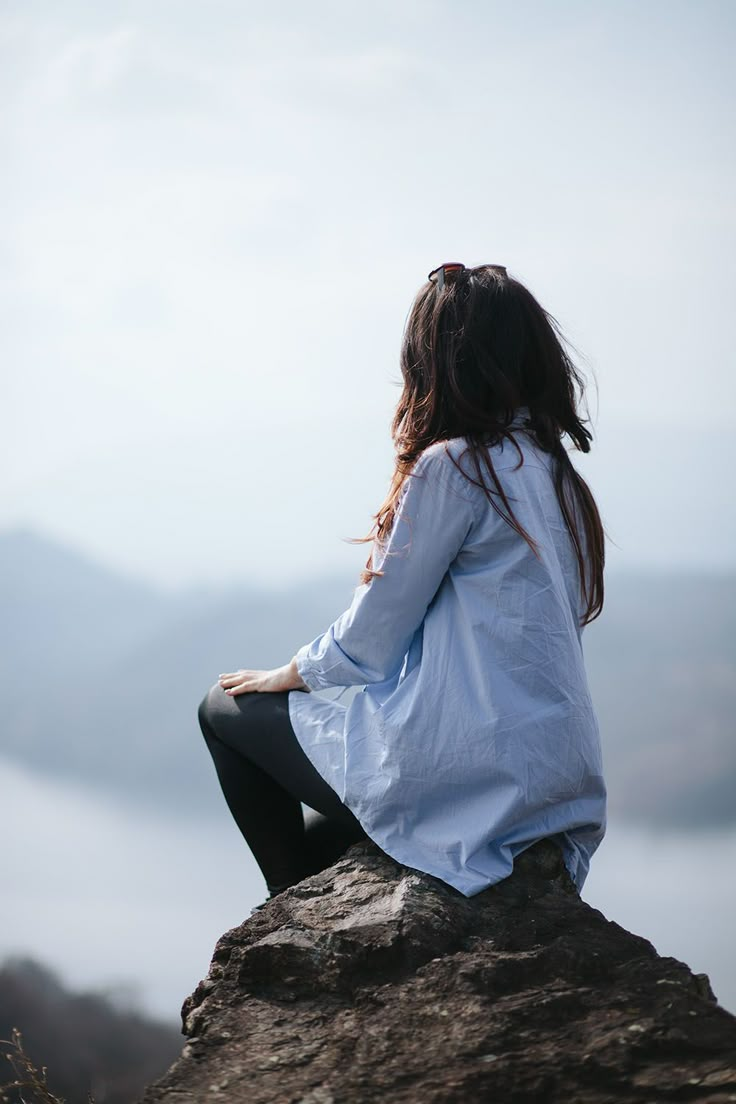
[125,666]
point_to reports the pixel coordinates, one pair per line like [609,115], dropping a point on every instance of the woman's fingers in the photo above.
[240,682]
[246,680]
[246,686]
[231,680]
[241,689]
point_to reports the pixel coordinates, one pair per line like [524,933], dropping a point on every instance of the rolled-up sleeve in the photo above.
[368,642]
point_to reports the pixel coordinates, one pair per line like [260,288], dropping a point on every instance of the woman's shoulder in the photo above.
[443,461]
[453,457]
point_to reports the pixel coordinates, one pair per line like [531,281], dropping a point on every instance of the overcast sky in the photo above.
[216,216]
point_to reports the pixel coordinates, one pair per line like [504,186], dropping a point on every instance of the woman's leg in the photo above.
[326,840]
[269,818]
[265,775]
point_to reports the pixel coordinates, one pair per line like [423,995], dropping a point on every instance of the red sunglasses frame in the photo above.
[454,268]
[440,273]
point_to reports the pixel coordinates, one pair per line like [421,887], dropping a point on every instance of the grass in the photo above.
[28,1078]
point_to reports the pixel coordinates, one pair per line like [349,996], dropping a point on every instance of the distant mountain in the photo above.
[101,677]
[662,667]
[56,603]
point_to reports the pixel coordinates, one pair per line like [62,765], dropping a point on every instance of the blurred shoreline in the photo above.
[111,897]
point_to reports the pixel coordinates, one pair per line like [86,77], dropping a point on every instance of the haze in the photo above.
[216,218]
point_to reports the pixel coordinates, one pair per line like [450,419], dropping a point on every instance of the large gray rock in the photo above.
[371,982]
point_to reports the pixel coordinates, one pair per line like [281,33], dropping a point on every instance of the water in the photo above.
[677,890]
[113,899]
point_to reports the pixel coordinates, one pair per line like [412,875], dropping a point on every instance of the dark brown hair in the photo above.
[473,352]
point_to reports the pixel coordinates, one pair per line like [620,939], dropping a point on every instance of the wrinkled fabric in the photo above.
[474,734]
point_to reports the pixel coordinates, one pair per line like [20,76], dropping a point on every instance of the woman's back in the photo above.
[475,733]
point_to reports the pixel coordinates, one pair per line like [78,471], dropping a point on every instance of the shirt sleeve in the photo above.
[368,642]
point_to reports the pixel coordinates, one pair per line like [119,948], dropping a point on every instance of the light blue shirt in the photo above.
[474,734]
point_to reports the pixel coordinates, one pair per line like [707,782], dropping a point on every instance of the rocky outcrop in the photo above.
[371,982]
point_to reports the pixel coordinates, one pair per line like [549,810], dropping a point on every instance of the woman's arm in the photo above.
[368,642]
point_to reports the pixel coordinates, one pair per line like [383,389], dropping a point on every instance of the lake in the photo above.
[117,900]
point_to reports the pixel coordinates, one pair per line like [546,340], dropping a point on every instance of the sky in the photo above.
[217,217]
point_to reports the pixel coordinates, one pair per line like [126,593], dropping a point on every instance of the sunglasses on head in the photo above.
[452,269]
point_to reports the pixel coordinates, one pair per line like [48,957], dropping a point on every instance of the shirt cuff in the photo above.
[307,670]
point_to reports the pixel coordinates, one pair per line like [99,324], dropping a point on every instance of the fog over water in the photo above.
[139,902]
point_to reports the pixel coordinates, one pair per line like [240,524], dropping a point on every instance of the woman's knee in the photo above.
[226,716]
[208,710]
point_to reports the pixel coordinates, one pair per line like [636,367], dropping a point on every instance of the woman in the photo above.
[474,734]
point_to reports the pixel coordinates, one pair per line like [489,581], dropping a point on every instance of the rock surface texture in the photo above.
[371,982]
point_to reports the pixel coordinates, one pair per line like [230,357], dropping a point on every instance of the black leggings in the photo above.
[265,776]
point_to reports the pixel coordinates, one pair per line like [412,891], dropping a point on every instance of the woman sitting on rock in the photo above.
[474,734]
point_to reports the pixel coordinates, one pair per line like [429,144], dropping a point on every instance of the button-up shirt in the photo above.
[474,734]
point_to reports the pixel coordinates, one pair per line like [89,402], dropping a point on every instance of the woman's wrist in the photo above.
[296,678]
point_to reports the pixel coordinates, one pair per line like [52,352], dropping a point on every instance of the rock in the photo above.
[372,982]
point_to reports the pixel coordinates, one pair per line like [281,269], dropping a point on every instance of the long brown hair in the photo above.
[473,352]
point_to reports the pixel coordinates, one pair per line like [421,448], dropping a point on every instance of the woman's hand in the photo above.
[279,678]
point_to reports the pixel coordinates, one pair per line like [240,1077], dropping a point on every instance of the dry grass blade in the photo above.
[27,1076]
